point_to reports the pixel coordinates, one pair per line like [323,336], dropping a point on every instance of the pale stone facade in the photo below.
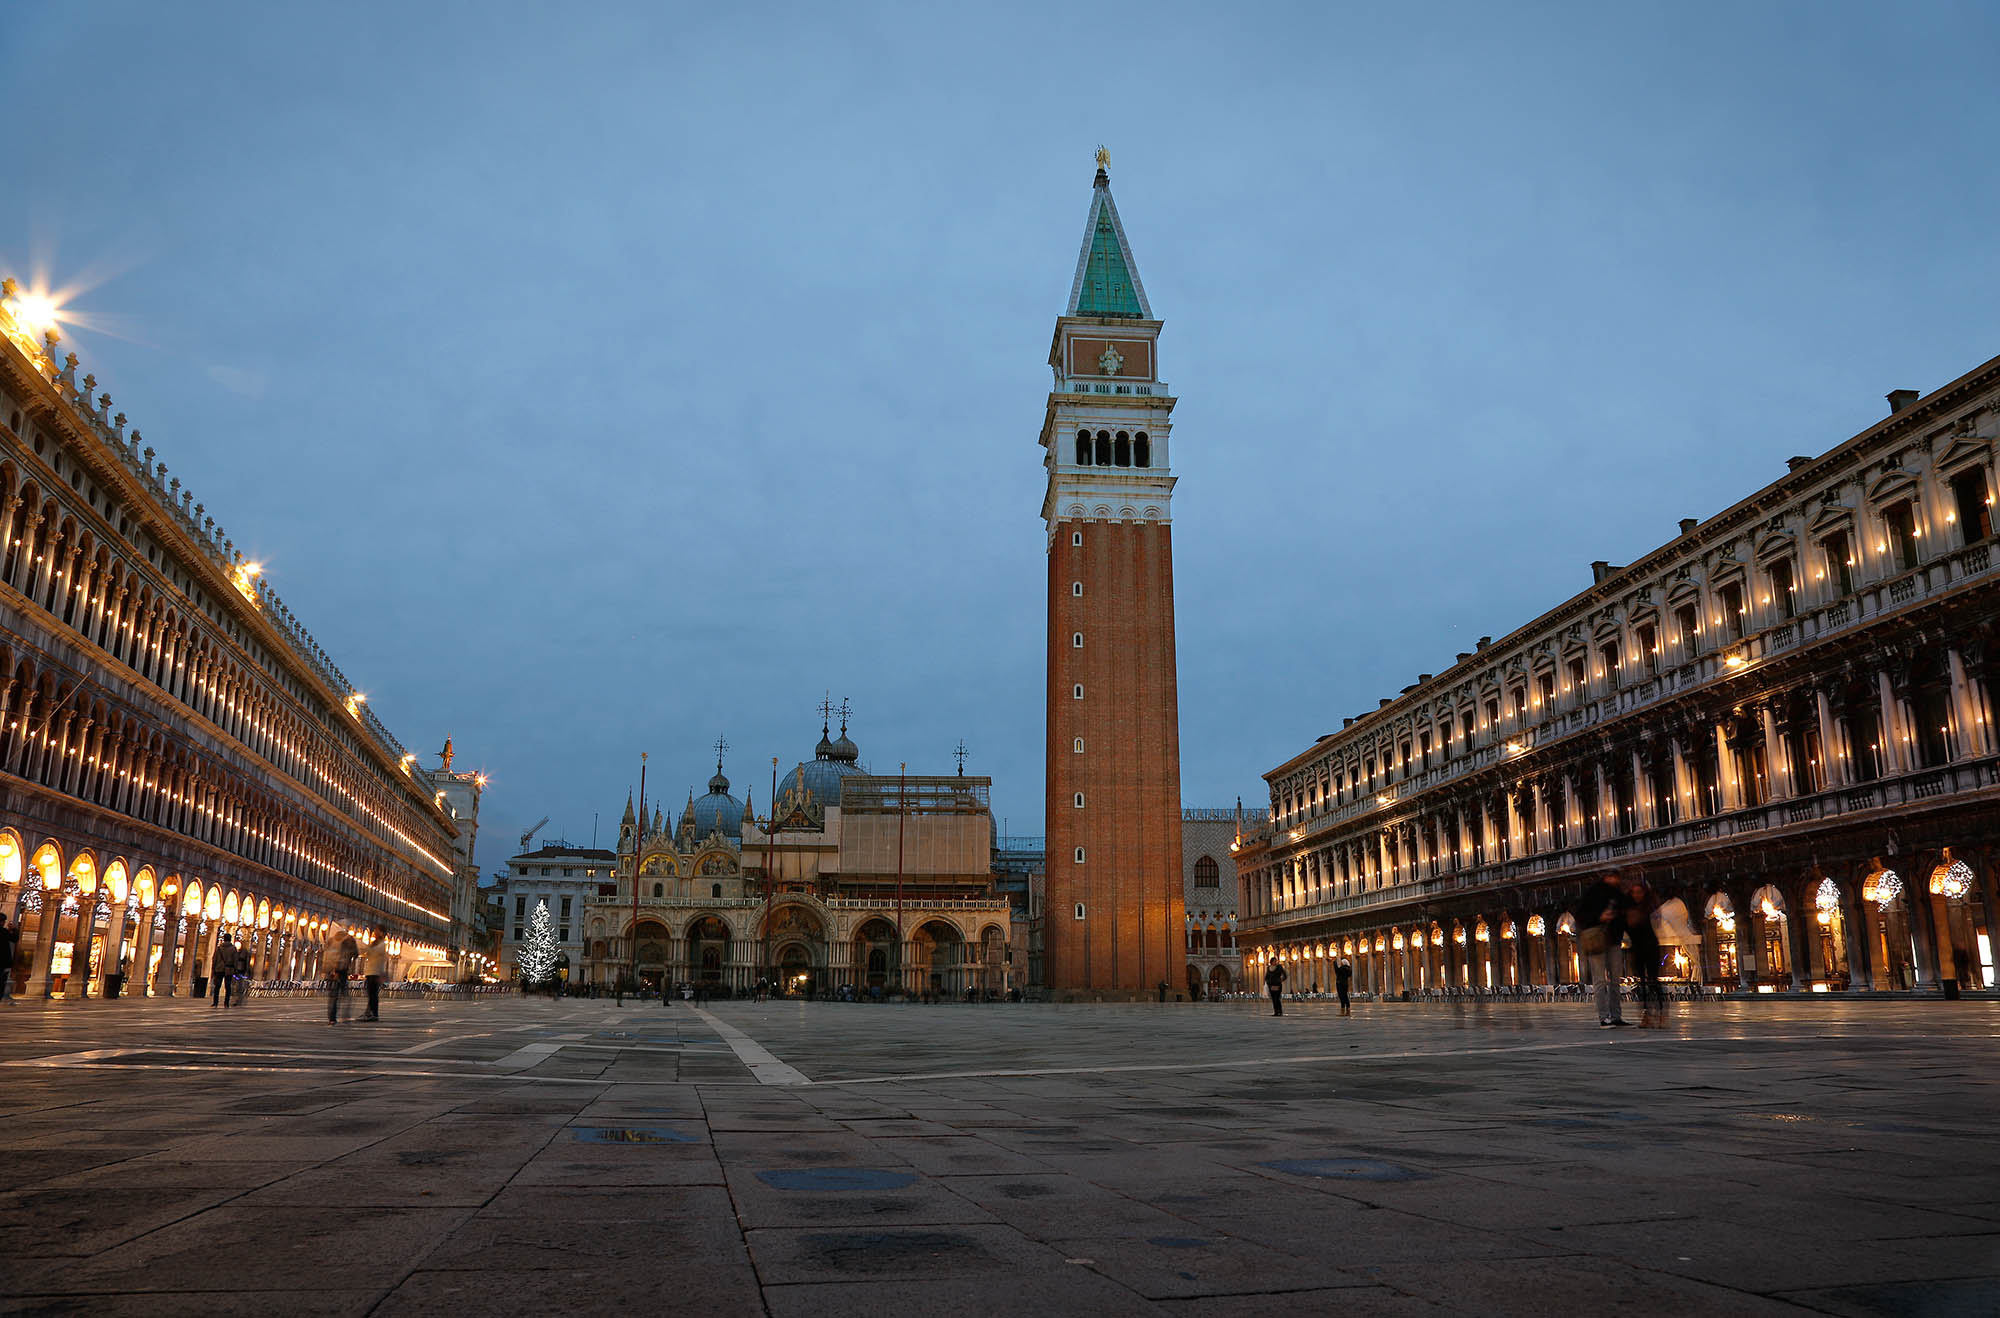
[812,904]
[1782,719]
[178,758]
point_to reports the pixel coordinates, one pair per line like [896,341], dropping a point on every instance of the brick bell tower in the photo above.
[1115,926]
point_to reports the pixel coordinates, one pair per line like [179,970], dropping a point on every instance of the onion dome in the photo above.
[718,811]
[831,762]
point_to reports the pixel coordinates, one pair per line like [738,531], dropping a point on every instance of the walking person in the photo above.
[1640,905]
[1274,984]
[337,963]
[1600,937]
[10,939]
[1343,976]
[374,966]
[220,967]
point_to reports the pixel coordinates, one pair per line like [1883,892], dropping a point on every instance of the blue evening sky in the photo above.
[601,378]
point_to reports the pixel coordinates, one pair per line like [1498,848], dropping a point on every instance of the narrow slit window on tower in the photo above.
[1076,747]
[1083,448]
[1076,692]
[1079,860]
[1079,800]
[1076,640]
[1142,450]
[1076,539]
[1079,905]
[1076,588]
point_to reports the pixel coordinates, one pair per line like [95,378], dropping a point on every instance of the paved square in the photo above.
[525,1156]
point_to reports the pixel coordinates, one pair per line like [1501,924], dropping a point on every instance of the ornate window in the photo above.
[1207,874]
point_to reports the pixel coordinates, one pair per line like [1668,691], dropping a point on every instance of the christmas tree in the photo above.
[537,956]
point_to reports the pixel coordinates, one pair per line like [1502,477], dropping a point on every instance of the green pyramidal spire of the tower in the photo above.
[1107,284]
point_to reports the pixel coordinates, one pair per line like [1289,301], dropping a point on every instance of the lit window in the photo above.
[1077,746]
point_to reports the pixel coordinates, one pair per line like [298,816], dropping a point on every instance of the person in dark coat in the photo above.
[1645,944]
[10,939]
[1343,975]
[221,969]
[1274,984]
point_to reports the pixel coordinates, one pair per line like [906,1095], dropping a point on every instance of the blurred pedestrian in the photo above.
[1343,976]
[1640,906]
[10,939]
[1600,937]
[374,968]
[337,958]
[1274,984]
[221,967]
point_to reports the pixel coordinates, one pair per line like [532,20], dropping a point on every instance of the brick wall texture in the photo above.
[1132,935]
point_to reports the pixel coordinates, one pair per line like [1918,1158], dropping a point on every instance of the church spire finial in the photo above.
[1107,280]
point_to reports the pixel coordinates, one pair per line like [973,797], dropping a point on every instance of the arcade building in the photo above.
[1781,719]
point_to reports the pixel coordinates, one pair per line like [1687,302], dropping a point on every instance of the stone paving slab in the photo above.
[509,1156]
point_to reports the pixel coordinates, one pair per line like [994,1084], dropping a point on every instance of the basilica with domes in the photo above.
[852,882]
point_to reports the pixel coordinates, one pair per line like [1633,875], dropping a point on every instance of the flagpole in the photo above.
[770,842]
[902,813]
[638,845]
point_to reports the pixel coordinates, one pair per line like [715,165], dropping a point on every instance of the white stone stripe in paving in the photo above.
[346,1073]
[1294,1059]
[768,1069]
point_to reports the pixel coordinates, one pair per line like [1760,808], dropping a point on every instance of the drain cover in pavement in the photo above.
[631,1135]
[835,1178]
[1344,1169]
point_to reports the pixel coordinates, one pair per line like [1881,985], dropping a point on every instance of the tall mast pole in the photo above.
[638,845]
[770,878]
[902,814]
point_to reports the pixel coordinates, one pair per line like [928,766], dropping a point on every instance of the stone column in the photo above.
[1975,735]
[1746,938]
[163,978]
[139,982]
[1686,796]
[82,941]
[1895,757]
[1799,915]
[1725,764]
[114,944]
[1930,967]
[1607,808]
[1837,769]
[1777,757]
[47,929]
